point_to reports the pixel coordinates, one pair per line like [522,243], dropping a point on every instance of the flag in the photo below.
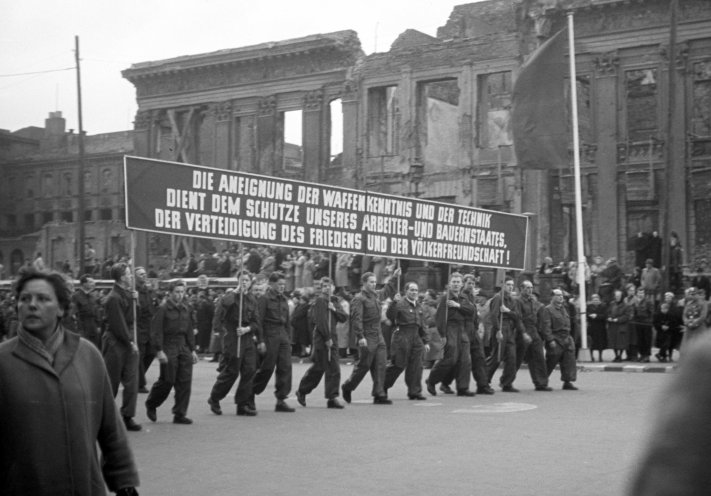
[538,115]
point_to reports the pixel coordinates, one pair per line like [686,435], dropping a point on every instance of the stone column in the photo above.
[676,189]
[313,135]
[349,103]
[267,136]
[606,66]
[221,117]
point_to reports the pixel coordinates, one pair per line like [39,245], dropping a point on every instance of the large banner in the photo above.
[175,198]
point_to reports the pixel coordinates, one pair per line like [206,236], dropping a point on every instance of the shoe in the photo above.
[509,389]
[334,403]
[246,411]
[346,393]
[131,425]
[544,388]
[617,360]
[568,386]
[417,397]
[281,406]
[143,390]
[382,400]
[151,413]
[446,389]
[214,406]
[466,392]
[485,390]
[181,419]
[301,398]
[644,360]
[430,388]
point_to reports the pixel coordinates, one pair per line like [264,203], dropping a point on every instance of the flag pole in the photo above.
[584,351]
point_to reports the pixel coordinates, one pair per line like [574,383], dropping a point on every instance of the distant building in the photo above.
[39,205]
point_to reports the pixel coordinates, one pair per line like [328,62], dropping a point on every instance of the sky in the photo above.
[37,60]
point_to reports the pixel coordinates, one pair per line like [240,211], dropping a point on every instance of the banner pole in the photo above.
[241,297]
[133,287]
[584,351]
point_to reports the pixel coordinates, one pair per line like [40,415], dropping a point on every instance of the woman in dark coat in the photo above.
[57,405]
[597,326]
[619,313]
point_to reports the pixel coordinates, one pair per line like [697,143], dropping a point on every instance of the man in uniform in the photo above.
[273,319]
[145,311]
[118,345]
[174,341]
[326,310]
[555,330]
[87,310]
[505,319]
[453,312]
[365,324]
[236,320]
[407,345]
[533,353]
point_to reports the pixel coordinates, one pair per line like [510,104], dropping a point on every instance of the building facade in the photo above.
[39,196]
[431,118]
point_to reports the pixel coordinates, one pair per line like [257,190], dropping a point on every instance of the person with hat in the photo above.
[650,280]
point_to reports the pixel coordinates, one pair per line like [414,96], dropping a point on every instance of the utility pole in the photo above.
[668,148]
[80,204]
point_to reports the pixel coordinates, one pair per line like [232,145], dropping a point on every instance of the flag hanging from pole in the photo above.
[538,116]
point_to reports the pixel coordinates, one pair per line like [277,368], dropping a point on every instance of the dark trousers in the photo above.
[176,373]
[278,356]
[456,361]
[371,358]
[507,356]
[145,358]
[644,339]
[122,365]
[479,370]
[245,366]
[563,354]
[536,359]
[323,365]
[405,355]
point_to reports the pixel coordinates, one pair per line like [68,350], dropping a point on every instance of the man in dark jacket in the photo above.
[453,312]
[326,310]
[118,344]
[86,309]
[145,310]
[174,340]
[237,322]
[273,311]
[365,324]
[533,353]
[555,331]
[409,342]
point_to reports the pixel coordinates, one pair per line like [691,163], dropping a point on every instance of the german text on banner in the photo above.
[190,200]
[538,108]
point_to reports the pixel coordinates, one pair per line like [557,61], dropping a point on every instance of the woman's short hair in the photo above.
[58,282]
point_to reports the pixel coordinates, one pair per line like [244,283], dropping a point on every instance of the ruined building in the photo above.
[430,118]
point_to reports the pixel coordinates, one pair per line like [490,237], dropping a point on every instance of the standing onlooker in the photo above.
[676,261]
[597,326]
[632,340]
[694,316]
[118,344]
[57,404]
[651,280]
[667,323]
[555,329]
[174,341]
[643,317]
[204,313]
[619,313]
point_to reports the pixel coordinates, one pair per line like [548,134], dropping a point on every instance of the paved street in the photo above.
[559,443]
